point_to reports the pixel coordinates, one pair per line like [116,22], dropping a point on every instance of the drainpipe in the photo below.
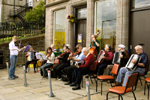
[14,10]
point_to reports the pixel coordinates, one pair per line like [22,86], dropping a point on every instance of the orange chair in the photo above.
[107,77]
[147,82]
[120,90]
[144,74]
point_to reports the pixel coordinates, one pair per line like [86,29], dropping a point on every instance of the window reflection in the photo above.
[82,13]
[141,3]
[59,30]
[105,21]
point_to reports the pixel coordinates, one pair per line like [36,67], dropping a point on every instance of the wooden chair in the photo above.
[107,77]
[144,74]
[130,87]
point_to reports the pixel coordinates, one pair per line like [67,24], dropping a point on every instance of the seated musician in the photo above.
[124,56]
[81,70]
[49,63]
[32,59]
[95,43]
[107,60]
[53,48]
[140,67]
[78,58]
[64,62]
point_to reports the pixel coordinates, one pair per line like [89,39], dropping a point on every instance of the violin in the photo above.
[49,54]
[56,61]
[93,49]
[76,53]
[62,54]
[18,44]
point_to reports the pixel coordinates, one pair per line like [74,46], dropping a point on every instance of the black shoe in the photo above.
[12,78]
[73,84]
[77,87]
[16,76]
[68,83]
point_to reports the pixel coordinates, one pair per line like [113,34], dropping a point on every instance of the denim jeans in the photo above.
[13,61]
[43,69]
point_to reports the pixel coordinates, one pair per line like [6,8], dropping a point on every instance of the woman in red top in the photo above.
[107,60]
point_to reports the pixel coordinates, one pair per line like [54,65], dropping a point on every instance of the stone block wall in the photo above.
[38,44]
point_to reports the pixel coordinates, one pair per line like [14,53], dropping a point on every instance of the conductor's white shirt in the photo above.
[11,47]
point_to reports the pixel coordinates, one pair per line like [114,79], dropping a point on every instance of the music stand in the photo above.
[26,49]
[40,56]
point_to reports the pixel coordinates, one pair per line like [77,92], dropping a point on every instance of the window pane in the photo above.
[106,22]
[140,3]
[59,30]
[82,13]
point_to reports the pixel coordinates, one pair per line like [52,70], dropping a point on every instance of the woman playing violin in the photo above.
[14,50]
[50,61]
[64,62]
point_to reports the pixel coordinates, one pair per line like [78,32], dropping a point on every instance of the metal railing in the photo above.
[22,30]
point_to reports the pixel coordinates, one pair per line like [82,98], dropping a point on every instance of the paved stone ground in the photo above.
[15,90]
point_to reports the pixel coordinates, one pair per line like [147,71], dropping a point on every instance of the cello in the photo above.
[93,49]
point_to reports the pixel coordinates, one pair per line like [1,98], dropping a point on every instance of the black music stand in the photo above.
[26,49]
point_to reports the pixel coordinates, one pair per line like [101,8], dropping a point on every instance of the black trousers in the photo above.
[57,69]
[68,71]
[34,61]
[78,74]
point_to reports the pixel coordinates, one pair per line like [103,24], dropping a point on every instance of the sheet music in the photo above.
[40,56]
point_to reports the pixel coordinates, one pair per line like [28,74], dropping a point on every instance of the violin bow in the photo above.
[20,44]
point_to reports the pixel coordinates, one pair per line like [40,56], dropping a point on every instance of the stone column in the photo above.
[69,27]
[49,28]
[122,25]
[90,21]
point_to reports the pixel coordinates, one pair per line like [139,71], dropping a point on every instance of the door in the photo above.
[140,31]
[81,33]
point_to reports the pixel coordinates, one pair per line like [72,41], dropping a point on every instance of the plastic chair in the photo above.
[130,87]
[107,77]
[147,82]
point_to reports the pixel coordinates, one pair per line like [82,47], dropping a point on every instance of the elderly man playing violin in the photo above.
[50,61]
[78,58]
[86,68]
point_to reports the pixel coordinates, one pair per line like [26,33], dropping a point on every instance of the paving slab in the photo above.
[38,89]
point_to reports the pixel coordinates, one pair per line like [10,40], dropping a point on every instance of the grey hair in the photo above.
[139,47]
[107,46]
[86,48]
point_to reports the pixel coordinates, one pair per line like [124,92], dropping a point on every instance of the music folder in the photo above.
[40,56]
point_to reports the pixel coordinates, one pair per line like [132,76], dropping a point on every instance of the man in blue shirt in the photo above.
[78,59]
[140,67]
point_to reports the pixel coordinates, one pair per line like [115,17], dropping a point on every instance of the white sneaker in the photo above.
[60,79]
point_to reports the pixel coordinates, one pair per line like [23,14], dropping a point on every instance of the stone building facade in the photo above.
[114,18]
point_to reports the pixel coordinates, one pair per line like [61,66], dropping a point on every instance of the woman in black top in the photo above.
[64,62]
